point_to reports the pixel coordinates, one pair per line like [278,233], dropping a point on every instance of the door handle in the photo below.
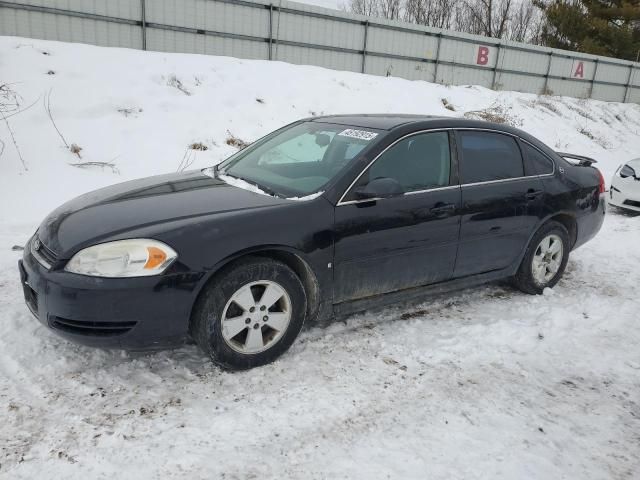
[533,194]
[442,209]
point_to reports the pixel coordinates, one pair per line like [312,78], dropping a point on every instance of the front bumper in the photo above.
[124,313]
[621,199]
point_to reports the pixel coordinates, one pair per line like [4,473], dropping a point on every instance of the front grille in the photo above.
[43,254]
[632,203]
[91,329]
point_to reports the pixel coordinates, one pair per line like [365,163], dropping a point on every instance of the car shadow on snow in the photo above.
[622,212]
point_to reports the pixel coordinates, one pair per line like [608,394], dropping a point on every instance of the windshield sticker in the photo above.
[361,134]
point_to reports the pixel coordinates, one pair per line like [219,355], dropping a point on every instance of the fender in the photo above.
[313,284]
[514,267]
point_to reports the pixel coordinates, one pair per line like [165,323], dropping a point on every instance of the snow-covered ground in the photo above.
[484,383]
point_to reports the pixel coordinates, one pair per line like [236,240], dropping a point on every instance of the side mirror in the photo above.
[383,187]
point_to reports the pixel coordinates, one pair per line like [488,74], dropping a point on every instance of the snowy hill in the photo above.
[484,383]
[141,112]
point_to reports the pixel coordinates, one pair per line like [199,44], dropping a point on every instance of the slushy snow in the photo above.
[483,383]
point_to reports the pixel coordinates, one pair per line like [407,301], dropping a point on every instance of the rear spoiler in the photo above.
[582,160]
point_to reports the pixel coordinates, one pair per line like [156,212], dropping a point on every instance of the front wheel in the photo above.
[545,260]
[250,314]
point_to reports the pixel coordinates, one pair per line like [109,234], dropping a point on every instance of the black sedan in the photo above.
[322,218]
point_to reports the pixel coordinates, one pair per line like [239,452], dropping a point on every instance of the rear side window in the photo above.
[537,161]
[489,156]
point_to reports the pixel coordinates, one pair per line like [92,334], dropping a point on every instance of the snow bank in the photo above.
[484,383]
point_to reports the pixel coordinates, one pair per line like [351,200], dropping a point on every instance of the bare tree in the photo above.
[432,13]
[364,7]
[485,17]
[389,9]
[518,20]
[525,24]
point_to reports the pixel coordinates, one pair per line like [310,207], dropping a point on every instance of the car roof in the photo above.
[379,121]
[391,121]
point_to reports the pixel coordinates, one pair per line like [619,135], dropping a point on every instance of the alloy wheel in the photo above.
[256,316]
[547,259]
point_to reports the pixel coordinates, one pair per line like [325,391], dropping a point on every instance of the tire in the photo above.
[530,279]
[219,313]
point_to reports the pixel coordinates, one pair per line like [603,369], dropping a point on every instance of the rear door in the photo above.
[500,201]
[408,240]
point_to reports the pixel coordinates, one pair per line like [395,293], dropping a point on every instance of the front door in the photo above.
[407,240]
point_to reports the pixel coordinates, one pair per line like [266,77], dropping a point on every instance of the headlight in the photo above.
[627,171]
[123,258]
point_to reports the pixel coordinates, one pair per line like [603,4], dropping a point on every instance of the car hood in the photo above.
[112,211]
[635,163]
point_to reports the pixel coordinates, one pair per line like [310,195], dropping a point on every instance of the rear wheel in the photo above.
[250,314]
[545,260]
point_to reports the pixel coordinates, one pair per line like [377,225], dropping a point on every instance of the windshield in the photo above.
[300,160]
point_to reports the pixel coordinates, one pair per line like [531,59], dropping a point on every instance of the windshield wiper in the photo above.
[266,190]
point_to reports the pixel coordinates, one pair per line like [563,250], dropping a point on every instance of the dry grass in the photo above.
[235,142]
[175,82]
[10,104]
[579,110]
[198,146]
[75,149]
[543,102]
[587,133]
[495,115]
[595,138]
[447,105]
[129,111]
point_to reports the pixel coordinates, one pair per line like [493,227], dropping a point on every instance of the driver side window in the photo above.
[418,162]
